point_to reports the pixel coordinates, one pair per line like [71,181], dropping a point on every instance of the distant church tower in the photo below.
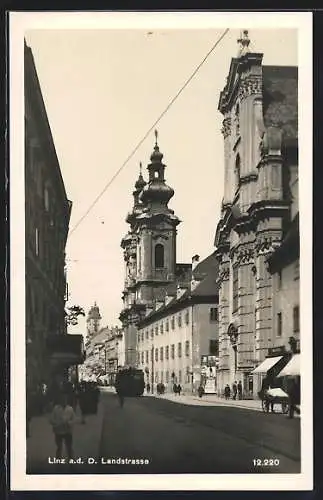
[93,321]
[149,248]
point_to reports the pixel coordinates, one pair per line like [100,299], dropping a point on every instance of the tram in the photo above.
[131,380]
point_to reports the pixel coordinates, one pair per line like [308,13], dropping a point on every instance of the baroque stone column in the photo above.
[246,310]
[224,319]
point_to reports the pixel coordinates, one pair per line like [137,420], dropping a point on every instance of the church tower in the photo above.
[156,234]
[93,321]
[149,248]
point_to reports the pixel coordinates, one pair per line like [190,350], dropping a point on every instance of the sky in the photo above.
[103,89]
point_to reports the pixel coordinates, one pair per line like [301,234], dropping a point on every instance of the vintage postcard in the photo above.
[161,255]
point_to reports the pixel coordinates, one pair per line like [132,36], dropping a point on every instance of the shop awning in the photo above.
[293,367]
[267,364]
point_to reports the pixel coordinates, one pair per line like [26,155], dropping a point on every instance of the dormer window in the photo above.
[156,175]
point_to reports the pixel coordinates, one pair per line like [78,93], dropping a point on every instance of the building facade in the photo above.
[180,331]
[47,216]
[257,237]
[104,351]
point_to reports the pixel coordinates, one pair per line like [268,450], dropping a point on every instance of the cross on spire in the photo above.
[156,136]
[140,168]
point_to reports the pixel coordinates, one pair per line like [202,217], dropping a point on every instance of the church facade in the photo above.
[257,237]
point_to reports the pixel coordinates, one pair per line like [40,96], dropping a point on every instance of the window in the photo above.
[161,328]
[147,334]
[167,377]
[214,347]
[172,352]
[180,376]
[37,241]
[156,174]
[235,289]
[147,358]
[237,119]
[139,258]
[156,330]
[279,324]
[161,354]
[296,319]
[237,171]
[213,314]
[139,335]
[167,325]
[151,355]
[187,348]
[159,256]
[156,377]
[46,199]
[142,336]
[179,349]
[173,322]
[296,270]
[142,358]
[279,280]
[162,377]
[152,333]
[187,317]
[179,320]
[167,352]
[275,177]
[156,354]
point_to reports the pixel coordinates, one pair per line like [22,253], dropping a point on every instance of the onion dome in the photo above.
[140,183]
[94,312]
[156,191]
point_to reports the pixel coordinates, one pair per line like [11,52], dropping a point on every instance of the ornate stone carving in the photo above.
[249,86]
[267,243]
[233,334]
[226,127]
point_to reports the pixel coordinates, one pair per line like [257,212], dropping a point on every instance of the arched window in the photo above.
[237,171]
[159,256]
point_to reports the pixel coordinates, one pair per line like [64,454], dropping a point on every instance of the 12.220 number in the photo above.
[265,462]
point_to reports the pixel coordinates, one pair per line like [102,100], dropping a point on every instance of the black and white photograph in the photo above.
[160,208]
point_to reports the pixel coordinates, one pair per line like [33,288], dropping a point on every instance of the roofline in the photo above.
[177,306]
[41,109]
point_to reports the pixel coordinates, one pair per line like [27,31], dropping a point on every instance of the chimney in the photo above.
[159,304]
[195,261]
[180,291]
[168,298]
[149,309]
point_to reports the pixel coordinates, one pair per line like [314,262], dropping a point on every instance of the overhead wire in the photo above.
[99,196]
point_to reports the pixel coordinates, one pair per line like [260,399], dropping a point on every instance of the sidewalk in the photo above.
[41,443]
[210,400]
[213,400]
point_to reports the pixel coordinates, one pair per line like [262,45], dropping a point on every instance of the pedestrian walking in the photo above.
[293,398]
[179,389]
[83,399]
[62,419]
[240,390]
[234,390]
[200,390]
[227,391]
[120,386]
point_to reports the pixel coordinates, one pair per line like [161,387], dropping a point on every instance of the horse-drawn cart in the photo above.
[274,397]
